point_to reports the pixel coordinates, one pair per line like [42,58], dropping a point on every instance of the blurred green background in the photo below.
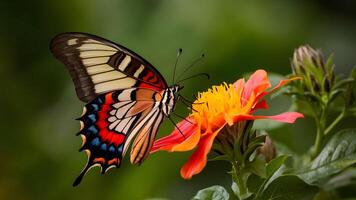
[38,146]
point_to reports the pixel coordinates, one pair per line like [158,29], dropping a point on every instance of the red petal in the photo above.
[176,141]
[280,84]
[198,159]
[287,117]
[257,84]
[260,105]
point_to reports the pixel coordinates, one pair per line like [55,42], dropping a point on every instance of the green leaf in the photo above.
[258,167]
[251,149]
[283,149]
[220,157]
[274,169]
[336,93]
[236,190]
[304,106]
[353,72]
[275,164]
[257,140]
[343,82]
[338,154]
[215,192]
[324,195]
[288,188]
[345,178]
[254,182]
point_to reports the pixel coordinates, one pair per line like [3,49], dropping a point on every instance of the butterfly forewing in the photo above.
[99,66]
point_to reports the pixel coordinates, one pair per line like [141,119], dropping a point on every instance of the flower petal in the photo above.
[287,117]
[257,84]
[239,85]
[280,84]
[176,141]
[260,105]
[198,159]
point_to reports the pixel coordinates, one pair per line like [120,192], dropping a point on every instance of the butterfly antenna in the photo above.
[191,65]
[194,76]
[175,64]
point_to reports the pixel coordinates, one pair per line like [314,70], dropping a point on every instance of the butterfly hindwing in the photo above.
[112,120]
[98,66]
[145,138]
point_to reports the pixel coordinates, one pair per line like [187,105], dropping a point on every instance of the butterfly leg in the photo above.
[179,116]
[175,125]
[187,103]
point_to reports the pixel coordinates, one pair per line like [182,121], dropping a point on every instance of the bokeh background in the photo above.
[38,147]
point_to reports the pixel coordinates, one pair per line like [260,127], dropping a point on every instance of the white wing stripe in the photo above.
[89,54]
[122,123]
[107,76]
[138,71]
[98,69]
[138,128]
[114,85]
[125,62]
[125,95]
[95,61]
[121,112]
[97,46]
[114,124]
[120,104]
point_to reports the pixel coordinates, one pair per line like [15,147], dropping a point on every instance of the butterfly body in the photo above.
[127,98]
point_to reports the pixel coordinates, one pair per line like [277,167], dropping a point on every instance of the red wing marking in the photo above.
[106,135]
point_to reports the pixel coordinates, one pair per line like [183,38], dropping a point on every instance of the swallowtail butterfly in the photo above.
[126,98]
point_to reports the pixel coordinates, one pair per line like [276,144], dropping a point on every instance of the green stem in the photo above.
[238,178]
[318,143]
[259,192]
[320,126]
[335,122]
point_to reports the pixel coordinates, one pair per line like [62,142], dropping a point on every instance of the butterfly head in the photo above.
[177,88]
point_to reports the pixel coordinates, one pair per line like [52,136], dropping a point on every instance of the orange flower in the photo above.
[219,106]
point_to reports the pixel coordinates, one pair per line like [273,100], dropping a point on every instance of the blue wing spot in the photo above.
[93,129]
[92,117]
[103,147]
[112,149]
[119,149]
[95,107]
[95,142]
[99,100]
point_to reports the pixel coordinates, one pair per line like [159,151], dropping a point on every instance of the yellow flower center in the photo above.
[221,103]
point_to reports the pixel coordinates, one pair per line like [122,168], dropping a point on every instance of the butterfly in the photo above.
[126,98]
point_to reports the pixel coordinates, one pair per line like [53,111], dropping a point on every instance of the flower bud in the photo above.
[309,64]
[268,150]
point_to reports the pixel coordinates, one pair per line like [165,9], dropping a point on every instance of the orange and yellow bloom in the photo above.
[214,109]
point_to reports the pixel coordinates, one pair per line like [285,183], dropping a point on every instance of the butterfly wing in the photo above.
[98,66]
[145,138]
[111,121]
[123,92]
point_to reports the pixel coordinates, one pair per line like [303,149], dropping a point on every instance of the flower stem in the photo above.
[238,178]
[318,143]
[320,125]
[335,122]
